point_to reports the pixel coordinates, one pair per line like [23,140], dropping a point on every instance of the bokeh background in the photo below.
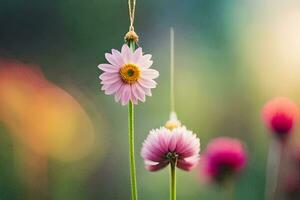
[62,138]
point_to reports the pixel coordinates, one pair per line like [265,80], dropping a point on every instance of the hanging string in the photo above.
[131,35]
[131,6]
[173,121]
[172,95]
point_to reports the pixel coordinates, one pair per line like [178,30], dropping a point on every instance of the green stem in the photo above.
[131,142]
[273,170]
[229,190]
[172,181]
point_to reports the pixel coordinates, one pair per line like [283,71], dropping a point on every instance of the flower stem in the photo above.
[173,181]
[229,189]
[131,142]
[273,169]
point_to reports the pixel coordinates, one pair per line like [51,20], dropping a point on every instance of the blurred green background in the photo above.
[230,58]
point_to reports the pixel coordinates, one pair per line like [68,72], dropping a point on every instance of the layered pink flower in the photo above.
[280,116]
[223,158]
[128,75]
[164,146]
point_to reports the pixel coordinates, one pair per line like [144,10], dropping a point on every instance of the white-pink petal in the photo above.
[112,88]
[126,94]
[126,53]
[107,76]
[149,74]
[118,93]
[145,61]
[111,59]
[147,83]
[134,99]
[118,57]
[137,55]
[108,68]
[138,92]
[147,91]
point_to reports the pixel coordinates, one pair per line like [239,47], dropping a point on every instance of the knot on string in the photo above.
[131,35]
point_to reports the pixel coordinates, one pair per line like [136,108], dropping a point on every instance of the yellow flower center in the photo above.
[171,124]
[130,73]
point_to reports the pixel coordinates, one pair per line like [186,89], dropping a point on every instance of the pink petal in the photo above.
[164,140]
[147,56]
[172,143]
[194,147]
[134,99]
[108,68]
[153,146]
[149,74]
[145,62]
[180,142]
[118,57]
[119,93]
[108,76]
[138,92]
[147,154]
[147,83]
[126,53]
[110,81]
[190,151]
[188,145]
[126,94]
[137,55]
[110,89]
[157,167]
[187,165]
[133,90]
[147,91]
[111,59]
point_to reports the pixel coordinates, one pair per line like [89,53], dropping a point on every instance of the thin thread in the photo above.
[172,94]
[131,6]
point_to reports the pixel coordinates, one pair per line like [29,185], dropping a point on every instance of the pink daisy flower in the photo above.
[280,116]
[163,146]
[223,158]
[127,75]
